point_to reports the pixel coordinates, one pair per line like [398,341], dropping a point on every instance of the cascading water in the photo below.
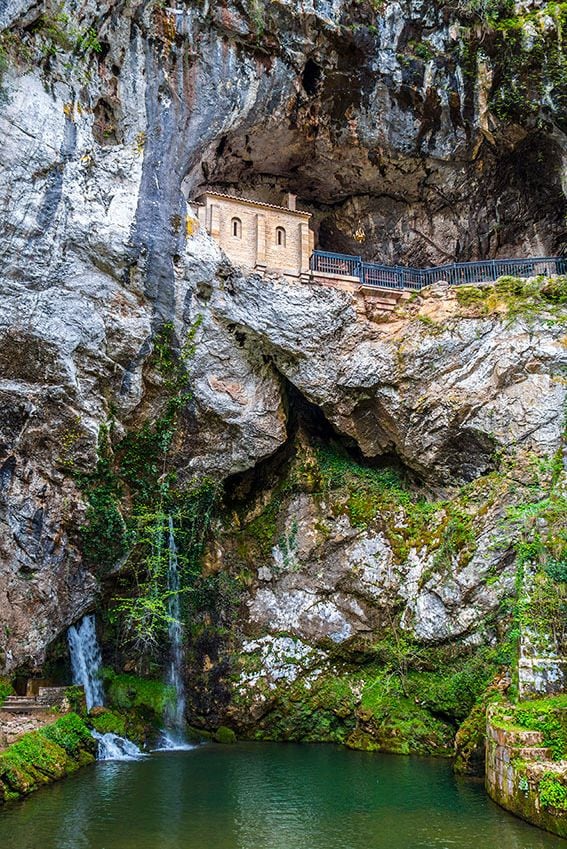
[86,660]
[111,747]
[173,737]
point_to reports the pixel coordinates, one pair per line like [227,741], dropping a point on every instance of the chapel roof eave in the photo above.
[262,204]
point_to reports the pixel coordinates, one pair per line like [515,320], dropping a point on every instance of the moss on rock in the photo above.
[108,722]
[225,735]
[148,696]
[401,698]
[46,755]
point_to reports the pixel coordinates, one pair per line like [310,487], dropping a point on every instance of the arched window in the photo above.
[236,228]
[280,237]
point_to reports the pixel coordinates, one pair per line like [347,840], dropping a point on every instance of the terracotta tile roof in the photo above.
[255,203]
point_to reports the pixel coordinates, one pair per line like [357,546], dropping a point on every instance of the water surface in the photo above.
[266,796]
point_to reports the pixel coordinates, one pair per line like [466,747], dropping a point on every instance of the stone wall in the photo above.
[256,244]
[518,769]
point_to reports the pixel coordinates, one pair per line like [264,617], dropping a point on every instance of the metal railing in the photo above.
[342,264]
[455,274]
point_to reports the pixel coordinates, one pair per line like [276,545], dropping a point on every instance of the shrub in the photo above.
[6,689]
[70,733]
[552,793]
[468,296]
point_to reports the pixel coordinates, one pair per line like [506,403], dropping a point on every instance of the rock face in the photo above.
[441,392]
[110,120]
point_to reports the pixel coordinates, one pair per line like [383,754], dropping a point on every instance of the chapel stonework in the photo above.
[259,236]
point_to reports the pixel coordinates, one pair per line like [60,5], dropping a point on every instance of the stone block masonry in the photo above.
[519,771]
[259,236]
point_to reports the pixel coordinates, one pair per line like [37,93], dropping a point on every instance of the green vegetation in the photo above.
[408,519]
[105,536]
[137,706]
[433,327]
[149,697]
[70,733]
[257,14]
[57,33]
[317,711]
[225,735]
[76,697]
[13,51]
[533,65]
[421,695]
[6,689]
[403,698]
[552,793]
[547,715]
[133,494]
[527,56]
[108,722]
[422,49]
[473,296]
[470,738]
[488,11]
[3,62]
[367,496]
[46,755]
[399,695]
[53,34]
[517,297]
[541,533]
[144,616]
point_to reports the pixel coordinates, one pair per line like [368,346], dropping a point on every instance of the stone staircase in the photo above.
[23,705]
[382,301]
[516,762]
[46,699]
[22,714]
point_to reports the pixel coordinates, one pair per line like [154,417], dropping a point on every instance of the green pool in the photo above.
[266,796]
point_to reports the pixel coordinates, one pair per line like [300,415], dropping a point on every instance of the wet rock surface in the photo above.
[99,248]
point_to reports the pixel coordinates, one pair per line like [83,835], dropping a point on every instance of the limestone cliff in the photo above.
[411,120]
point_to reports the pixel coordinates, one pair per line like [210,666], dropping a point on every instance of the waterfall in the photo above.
[111,747]
[86,660]
[175,714]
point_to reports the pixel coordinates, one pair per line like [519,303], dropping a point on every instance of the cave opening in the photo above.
[306,420]
[424,214]
[312,77]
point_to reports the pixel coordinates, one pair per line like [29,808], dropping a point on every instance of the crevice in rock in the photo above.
[311,79]
[304,416]
[107,130]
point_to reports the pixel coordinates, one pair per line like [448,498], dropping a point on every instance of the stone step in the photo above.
[384,306]
[23,704]
[29,708]
[536,753]
[515,737]
[19,700]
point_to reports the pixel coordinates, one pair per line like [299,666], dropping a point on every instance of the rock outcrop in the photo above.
[394,117]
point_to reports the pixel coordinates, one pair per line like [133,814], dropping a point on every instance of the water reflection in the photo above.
[266,797]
